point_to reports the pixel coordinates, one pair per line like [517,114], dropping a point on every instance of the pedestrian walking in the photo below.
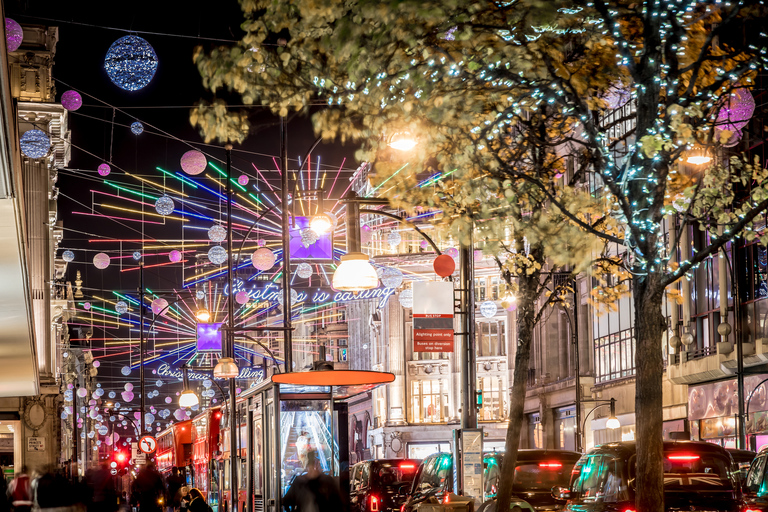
[175,482]
[20,492]
[102,489]
[197,501]
[150,489]
[52,492]
[5,504]
[313,491]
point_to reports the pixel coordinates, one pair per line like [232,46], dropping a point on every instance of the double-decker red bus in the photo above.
[174,448]
[241,456]
[205,445]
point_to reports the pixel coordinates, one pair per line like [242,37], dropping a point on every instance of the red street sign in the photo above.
[433,316]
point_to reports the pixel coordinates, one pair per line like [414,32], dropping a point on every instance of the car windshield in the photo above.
[396,474]
[541,476]
[692,471]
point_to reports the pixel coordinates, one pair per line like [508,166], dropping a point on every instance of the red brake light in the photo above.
[120,456]
[683,457]
[629,510]
[551,465]
[374,504]
[407,466]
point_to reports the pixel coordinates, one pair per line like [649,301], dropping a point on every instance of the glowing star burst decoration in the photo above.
[394,238]
[406,298]
[488,309]
[101,261]
[131,63]
[217,233]
[121,307]
[263,259]
[243,180]
[217,255]
[391,277]
[137,128]
[68,256]
[304,270]
[71,100]
[241,297]
[164,205]
[159,306]
[14,35]
[193,162]
[35,144]
[308,237]
[104,169]
[174,256]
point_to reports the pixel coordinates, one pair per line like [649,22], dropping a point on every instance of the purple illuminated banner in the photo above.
[209,337]
[320,250]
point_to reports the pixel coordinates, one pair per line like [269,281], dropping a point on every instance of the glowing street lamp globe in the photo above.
[188,399]
[226,369]
[613,423]
[355,273]
[203,315]
[321,224]
[403,141]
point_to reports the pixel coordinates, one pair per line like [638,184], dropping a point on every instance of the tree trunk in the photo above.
[649,328]
[526,317]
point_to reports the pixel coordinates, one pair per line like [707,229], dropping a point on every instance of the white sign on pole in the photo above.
[472,463]
[433,304]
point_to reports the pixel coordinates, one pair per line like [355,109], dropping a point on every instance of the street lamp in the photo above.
[203,315]
[612,423]
[321,224]
[188,397]
[403,141]
[226,368]
[698,156]
[355,273]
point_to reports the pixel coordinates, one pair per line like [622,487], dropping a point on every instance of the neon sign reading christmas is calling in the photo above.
[271,293]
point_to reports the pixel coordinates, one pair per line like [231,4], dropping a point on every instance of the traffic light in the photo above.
[479,402]
[118,462]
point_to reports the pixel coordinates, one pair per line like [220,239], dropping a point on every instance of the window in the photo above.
[535,431]
[429,403]
[615,356]
[600,479]
[493,406]
[495,288]
[490,338]
[755,477]
[480,289]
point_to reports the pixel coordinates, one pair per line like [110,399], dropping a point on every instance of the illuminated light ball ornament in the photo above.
[452,252]
[149,418]
[87,306]
[71,100]
[217,233]
[365,235]
[294,297]
[193,162]
[137,255]
[488,309]
[217,255]
[102,429]
[394,238]
[391,277]
[35,143]
[81,392]
[159,305]
[101,261]
[164,205]
[104,169]
[423,244]
[444,265]
[159,383]
[168,400]
[68,395]
[174,256]
[241,297]
[137,128]
[131,63]
[308,237]
[243,180]
[207,383]
[478,254]
[199,294]
[121,307]
[261,242]
[304,270]
[99,391]
[112,394]
[14,34]
[125,370]
[263,259]
[68,256]
[406,298]
[127,395]
[179,414]
[128,386]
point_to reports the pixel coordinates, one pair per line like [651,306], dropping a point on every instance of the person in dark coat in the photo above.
[102,489]
[197,502]
[150,489]
[175,482]
[313,491]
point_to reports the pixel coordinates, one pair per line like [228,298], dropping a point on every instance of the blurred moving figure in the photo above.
[102,491]
[20,492]
[175,482]
[313,491]
[197,502]
[149,489]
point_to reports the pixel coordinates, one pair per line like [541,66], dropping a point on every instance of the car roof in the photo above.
[628,448]
[741,455]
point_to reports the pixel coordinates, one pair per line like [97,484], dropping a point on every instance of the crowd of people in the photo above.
[52,491]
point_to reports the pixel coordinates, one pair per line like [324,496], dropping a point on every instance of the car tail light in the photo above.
[683,457]
[750,510]
[629,510]
[551,465]
[407,466]
[374,504]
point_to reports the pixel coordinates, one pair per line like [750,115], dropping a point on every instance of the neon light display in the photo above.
[271,293]
[209,337]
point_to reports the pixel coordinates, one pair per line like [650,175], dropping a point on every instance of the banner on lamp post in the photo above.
[433,316]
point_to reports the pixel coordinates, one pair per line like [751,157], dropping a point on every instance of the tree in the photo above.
[626,89]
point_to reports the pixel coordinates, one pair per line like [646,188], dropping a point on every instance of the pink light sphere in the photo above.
[174,256]
[71,100]
[101,261]
[14,34]
[159,305]
[104,169]
[87,306]
[193,162]
[242,179]
[241,297]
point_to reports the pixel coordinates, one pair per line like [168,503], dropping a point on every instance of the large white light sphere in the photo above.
[101,261]
[488,309]
[304,270]
[217,255]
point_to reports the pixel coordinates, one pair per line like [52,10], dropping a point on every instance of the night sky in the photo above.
[163,105]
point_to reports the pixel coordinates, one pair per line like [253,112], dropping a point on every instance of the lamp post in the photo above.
[612,423]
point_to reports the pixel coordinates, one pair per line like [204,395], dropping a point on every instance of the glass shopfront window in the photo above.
[565,428]
[493,404]
[535,431]
[429,401]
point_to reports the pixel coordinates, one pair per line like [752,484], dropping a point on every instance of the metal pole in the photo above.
[230,345]
[575,335]
[287,349]
[466,283]
[740,351]
[141,344]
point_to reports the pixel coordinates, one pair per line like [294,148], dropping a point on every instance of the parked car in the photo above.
[755,486]
[381,485]
[743,459]
[698,476]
